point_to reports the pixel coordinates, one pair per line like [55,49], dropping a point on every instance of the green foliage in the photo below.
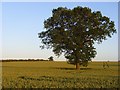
[50,58]
[71,61]
[74,32]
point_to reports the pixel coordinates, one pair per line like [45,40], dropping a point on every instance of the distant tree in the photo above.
[74,32]
[50,58]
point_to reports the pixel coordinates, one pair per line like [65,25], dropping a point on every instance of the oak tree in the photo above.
[74,33]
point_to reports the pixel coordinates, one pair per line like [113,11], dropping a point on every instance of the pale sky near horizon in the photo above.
[23,21]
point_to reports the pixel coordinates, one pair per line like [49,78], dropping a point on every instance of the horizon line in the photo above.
[46,59]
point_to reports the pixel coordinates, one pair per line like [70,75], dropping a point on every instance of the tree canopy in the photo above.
[50,58]
[74,32]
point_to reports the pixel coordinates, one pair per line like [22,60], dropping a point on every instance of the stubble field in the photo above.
[48,74]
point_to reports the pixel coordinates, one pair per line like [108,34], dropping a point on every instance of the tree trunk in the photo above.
[76,59]
[77,66]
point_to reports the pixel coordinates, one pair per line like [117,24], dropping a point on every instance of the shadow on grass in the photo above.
[74,68]
[66,68]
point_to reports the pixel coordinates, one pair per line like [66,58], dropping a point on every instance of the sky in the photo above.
[119,32]
[22,21]
[0,42]
[60,0]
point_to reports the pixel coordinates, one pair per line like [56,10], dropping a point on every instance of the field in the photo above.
[48,74]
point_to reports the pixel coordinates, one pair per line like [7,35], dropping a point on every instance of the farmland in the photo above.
[48,74]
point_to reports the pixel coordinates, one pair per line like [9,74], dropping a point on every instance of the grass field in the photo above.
[46,74]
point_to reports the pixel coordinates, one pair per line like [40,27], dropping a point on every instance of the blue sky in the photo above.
[21,23]
[0,30]
[59,0]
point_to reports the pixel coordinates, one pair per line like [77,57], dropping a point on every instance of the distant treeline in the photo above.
[13,60]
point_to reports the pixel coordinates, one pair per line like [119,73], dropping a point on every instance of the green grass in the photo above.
[44,74]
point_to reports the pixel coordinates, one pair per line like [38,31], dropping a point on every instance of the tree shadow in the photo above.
[74,68]
[85,68]
[66,68]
